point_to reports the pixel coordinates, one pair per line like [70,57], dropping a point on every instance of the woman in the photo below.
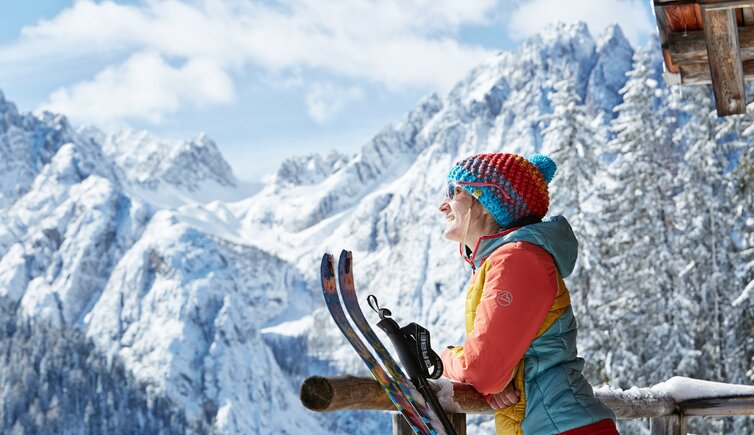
[520,346]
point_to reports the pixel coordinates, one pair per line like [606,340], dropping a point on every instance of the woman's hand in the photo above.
[508,397]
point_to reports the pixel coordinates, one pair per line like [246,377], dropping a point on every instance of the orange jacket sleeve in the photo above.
[519,289]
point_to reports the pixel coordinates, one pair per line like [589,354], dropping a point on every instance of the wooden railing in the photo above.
[667,416]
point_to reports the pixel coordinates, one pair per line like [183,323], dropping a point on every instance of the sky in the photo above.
[266,80]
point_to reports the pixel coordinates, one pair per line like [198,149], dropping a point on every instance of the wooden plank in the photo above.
[699,74]
[681,18]
[725,4]
[691,47]
[401,427]
[724,55]
[662,27]
[686,48]
[719,406]
[698,15]
[669,65]
[748,17]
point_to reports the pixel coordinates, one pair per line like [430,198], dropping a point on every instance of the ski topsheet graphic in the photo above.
[394,392]
[423,400]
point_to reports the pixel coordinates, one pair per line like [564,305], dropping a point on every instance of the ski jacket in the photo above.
[520,328]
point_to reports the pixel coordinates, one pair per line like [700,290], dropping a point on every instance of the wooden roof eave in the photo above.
[701,43]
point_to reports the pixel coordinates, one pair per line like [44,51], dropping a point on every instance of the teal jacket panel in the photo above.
[558,397]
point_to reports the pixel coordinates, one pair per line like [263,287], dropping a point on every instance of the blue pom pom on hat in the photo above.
[545,165]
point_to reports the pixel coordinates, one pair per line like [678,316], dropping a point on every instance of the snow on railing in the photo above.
[667,404]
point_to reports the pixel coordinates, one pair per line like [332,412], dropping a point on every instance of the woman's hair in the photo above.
[467,219]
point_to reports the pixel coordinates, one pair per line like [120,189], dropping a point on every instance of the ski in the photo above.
[428,407]
[401,402]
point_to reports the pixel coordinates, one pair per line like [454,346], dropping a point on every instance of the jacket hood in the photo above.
[553,234]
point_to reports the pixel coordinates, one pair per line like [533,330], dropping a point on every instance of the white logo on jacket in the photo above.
[504,298]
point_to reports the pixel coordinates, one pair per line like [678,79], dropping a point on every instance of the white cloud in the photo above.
[325,100]
[393,43]
[529,17]
[145,87]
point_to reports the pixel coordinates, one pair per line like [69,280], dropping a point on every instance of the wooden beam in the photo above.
[691,47]
[725,4]
[719,406]
[663,26]
[325,394]
[322,394]
[699,74]
[724,56]
[637,403]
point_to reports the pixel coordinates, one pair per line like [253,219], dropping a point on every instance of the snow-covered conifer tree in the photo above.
[573,142]
[704,242]
[705,220]
[741,196]
[637,208]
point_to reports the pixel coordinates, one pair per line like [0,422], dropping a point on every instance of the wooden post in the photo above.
[670,425]
[401,427]
[724,54]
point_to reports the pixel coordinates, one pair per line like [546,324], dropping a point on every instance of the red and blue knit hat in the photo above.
[524,182]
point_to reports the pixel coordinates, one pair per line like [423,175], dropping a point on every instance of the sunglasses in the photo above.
[452,185]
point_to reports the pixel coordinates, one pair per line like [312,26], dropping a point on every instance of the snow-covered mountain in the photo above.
[209,296]
[86,241]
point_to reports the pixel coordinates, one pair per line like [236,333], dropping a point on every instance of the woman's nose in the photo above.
[443,206]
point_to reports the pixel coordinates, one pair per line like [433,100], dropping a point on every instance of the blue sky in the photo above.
[265,79]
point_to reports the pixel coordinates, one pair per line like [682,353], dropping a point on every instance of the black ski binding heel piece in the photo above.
[415,353]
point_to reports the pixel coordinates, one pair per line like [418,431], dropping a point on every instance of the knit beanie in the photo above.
[523,180]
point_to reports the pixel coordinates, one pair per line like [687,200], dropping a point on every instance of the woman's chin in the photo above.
[451,234]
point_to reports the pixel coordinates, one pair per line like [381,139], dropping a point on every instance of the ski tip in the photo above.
[327,268]
[344,263]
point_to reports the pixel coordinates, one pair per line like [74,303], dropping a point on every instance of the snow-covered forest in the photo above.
[663,207]
[146,292]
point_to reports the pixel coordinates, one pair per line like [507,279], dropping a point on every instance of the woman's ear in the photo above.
[488,219]
[483,210]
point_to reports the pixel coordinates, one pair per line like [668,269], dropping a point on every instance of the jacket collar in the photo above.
[553,234]
[482,249]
